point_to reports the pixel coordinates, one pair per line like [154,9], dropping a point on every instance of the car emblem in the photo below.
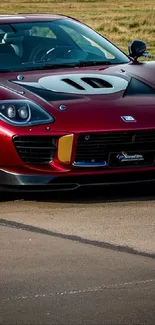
[123,157]
[87,137]
[128,118]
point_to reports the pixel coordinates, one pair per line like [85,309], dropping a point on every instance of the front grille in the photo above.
[98,147]
[35,150]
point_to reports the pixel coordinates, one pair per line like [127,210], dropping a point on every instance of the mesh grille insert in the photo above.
[97,147]
[35,150]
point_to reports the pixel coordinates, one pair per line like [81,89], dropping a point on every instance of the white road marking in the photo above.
[73,292]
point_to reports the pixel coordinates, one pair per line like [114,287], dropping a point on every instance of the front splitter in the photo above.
[13,182]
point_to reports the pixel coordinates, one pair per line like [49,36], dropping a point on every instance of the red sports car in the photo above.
[74,109]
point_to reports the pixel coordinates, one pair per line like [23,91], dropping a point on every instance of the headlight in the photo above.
[23,112]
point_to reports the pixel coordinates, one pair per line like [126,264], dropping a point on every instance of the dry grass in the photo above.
[120,21]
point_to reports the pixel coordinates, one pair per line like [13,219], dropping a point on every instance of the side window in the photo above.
[42,32]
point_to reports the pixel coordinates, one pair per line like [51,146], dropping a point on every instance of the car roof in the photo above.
[29,18]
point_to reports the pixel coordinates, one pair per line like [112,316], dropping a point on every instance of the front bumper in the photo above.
[72,165]
[39,183]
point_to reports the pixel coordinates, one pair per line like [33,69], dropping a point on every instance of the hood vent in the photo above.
[84,83]
[97,83]
[73,83]
[79,83]
[92,82]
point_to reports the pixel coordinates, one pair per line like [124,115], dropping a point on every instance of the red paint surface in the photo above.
[90,113]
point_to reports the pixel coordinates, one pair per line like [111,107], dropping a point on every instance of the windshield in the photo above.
[25,46]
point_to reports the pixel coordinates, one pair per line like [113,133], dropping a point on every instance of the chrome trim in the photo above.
[89,165]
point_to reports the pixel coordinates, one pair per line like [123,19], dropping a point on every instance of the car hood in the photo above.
[90,99]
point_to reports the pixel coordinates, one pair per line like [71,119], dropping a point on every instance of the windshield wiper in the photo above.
[68,65]
[51,66]
[39,67]
[78,64]
[75,64]
[57,65]
[92,63]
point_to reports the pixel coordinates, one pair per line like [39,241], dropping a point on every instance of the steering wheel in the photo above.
[40,53]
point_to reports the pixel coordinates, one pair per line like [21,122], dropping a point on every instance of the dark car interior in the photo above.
[21,47]
[25,45]
[18,48]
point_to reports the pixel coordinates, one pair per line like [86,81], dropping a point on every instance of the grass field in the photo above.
[120,20]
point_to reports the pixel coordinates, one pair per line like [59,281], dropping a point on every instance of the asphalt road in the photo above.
[81,258]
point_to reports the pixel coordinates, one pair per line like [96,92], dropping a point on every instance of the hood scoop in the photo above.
[92,82]
[86,84]
[79,84]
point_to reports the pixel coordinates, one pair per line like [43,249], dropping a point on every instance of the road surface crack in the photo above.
[81,240]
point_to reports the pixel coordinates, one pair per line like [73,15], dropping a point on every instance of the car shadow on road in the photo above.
[89,195]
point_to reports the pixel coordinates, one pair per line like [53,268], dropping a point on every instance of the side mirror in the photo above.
[136,49]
